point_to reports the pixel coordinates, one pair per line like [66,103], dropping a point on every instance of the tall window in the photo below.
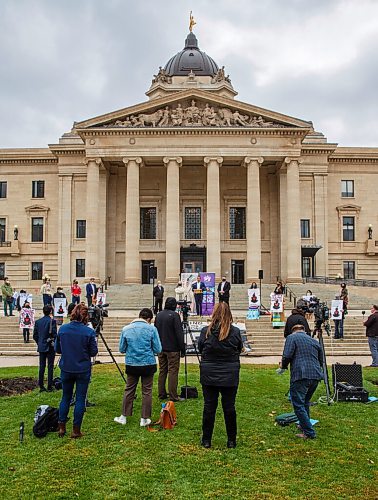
[237,223]
[81,229]
[80,268]
[348,228]
[38,189]
[3,189]
[192,223]
[37,229]
[3,229]
[305,228]
[2,270]
[349,269]
[347,189]
[36,268]
[148,223]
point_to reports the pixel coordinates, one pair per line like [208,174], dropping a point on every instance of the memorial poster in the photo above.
[337,309]
[60,307]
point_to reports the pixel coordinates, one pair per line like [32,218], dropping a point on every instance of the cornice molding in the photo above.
[29,161]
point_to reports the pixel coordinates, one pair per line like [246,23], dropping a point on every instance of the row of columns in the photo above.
[289,218]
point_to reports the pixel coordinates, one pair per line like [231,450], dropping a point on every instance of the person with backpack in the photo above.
[140,342]
[220,345]
[76,343]
[44,335]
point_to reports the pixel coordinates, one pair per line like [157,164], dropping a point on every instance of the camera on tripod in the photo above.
[96,314]
[185,308]
[321,313]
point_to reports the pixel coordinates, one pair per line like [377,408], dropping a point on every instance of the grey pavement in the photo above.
[9,361]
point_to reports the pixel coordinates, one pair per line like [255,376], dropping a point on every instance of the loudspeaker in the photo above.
[261,274]
[153,273]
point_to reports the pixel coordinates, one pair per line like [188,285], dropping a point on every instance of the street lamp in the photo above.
[370,232]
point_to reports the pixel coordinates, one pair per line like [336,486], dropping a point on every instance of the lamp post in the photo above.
[370,232]
[15,232]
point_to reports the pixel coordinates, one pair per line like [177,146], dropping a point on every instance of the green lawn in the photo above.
[113,461]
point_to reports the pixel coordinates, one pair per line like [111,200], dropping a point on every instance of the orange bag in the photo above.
[168,416]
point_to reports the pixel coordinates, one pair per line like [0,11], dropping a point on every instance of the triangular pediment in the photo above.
[193,108]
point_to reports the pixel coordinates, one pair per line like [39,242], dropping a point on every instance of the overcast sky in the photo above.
[70,60]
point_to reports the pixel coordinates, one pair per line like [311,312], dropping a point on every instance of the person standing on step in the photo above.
[371,325]
[224,288]
[46,292]
[158,293]
[75,292]
[91,292]
[198,288]
[44,335]
[140,343]
[28,314]
[171,334]
[7,294]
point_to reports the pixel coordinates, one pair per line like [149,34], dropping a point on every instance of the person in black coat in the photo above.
[158,293]
[297,318]
[220,345]
[44,335]
[171,334]
[224,290]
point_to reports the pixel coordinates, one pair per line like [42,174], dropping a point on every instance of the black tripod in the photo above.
[99,333]
[319,332]
[188,331]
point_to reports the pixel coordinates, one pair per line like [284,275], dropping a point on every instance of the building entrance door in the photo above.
[237,272]
[193,259]
[146,265]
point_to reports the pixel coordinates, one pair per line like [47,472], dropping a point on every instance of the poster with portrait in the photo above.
[276,303]
[208,298]
[101,298]
[60,307]
[337,309]
[25,297]
[26,318]
[254,303]
[187,280]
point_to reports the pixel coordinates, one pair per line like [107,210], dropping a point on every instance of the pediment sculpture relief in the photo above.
[193,115]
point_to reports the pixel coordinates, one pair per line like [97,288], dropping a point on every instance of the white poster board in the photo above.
[337,308]
[101,298]
[26,318]
[26,297]
[276,303]
[60,307]
[254,298]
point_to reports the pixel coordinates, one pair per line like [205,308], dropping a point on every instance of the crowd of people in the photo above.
[220,345]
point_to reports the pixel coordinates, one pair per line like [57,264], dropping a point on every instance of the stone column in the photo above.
[213,216]
[172,223]
[132,264]
[283,224]
[321,223]
[65,229]
[293,234]
[102,224]
[92,236]
[112,221]
[253,217]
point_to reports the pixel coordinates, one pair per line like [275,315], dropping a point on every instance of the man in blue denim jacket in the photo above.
[140,342]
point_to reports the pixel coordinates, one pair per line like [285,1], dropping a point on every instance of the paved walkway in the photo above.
[9,361]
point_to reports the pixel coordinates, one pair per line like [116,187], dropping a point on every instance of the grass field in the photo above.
[113,461]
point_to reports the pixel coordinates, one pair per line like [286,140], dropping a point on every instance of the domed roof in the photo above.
[191,58]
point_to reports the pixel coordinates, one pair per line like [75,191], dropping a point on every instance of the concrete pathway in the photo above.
[9,361]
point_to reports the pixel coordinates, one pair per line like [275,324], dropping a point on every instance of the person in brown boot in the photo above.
[76,433]
[61,429]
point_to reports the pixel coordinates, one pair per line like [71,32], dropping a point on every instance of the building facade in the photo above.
[191,179]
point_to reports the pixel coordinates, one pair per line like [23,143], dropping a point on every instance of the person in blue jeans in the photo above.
[76,343]
[305,357]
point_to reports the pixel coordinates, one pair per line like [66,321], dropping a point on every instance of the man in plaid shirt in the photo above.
[305,357]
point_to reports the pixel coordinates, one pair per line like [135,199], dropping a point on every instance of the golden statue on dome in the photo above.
[192,22]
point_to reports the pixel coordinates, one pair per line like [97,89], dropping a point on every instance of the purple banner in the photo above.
[208,300]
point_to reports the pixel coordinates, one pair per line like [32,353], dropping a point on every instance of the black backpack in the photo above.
[47,422]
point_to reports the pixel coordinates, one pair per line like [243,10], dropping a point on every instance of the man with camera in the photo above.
[44,335]
[304,355]
[168,324]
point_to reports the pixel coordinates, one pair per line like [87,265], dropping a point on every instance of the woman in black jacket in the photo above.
[220,345]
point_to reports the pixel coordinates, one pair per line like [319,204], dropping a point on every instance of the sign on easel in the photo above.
[254,302]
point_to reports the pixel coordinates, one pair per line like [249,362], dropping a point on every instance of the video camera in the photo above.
[96,314]
[321,313]
[185,308]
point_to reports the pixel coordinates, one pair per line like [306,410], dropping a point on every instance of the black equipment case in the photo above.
[348,383]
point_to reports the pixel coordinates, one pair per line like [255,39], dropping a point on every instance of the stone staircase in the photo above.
[264,340]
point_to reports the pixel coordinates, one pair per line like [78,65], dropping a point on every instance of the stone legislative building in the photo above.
[192,180]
